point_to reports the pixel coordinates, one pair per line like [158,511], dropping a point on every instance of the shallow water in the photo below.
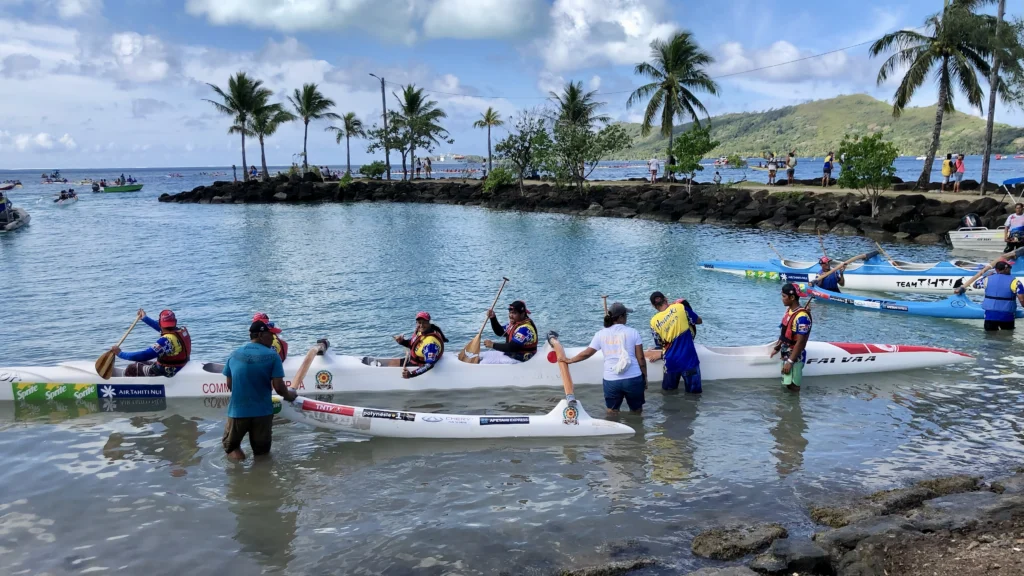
[145,487]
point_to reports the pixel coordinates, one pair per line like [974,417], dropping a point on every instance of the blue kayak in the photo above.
[951,307]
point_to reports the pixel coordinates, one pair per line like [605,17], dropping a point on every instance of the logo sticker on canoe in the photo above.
[45,392]
[323,380]
[432,419]
[490,420]
[388,414]
[570,415]
[132,391]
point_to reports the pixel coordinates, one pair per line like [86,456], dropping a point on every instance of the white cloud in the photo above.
[30,142]
[139,58]
[776,62]
[588,33]
[595,82]
[68,141]
[472,19]
[70,9]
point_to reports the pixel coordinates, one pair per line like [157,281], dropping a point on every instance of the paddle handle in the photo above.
[776,251]
[822,244]
[562,366]
[864,256]
[884,253]
[493,304]
[306,362]
[604,300]
[130,328]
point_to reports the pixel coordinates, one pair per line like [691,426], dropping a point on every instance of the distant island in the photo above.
[816,127]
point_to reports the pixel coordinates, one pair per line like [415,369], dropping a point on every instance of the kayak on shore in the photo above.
[563,421]
[873,274]
[334,373]
[958,306]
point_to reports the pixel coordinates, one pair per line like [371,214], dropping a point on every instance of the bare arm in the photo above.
[798,347]
[285,392]
[641,361]
[586,353]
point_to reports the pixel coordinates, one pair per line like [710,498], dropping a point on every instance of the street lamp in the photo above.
[384,112]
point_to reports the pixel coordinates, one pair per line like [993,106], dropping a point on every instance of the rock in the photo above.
[868,558]
[767,225]
[280,196]
[611,568]
[730,571]
[594,209]
[959,511]
[813,225]
[621,212]
[940,224]
[928,239]
[690,218]
[1009,484]
[839,542]
[732,543]
[844,230]
[901,236]
[951,484]
[914,228]
[786,555]
[982,205]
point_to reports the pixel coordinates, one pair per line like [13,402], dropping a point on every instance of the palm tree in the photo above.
[244,96]
[578,107]
[488,119]
[419,117]
[1007,70]
[265,122]
[677,70]
[350,126]
[952,50]
[310,104]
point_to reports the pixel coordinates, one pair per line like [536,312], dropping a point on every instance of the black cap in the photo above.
[657,299]
[1002,265]
[258,327]
[519,306]
[790,290]
[618,309]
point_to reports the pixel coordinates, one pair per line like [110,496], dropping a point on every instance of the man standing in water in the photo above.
[792,342]
[673,342]
[251,372]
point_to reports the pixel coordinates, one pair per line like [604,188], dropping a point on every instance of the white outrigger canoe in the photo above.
[564,420]
[334,373]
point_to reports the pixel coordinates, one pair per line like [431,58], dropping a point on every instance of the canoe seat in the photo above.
[213,367]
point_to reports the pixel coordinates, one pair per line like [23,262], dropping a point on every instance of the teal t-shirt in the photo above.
[251,368]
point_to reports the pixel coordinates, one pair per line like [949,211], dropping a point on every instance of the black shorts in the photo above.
[996,325]
[259,429]
[144,369]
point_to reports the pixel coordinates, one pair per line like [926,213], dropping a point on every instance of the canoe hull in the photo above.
[128,188]
[23,220]
[563,421]
[331,374]
[959,307]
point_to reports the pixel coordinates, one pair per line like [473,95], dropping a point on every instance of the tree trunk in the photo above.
[405,171]
[305,158]
[348,155]
[245,167]
[670,138]
[926,171]
[263,157]
[412,161]
[993,80]
[489,167]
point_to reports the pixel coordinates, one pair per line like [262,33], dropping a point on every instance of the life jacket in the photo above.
[529,348]
[281,347]
[999,294]
[181,348]
[419,343]
[788,334]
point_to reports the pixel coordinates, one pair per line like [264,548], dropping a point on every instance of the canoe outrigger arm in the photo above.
[323,344]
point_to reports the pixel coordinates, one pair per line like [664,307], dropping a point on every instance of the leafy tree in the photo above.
[677,70]
[310,104]
[351,126]
[575,106]
[498,178]
[736,161]
[374,169]
[394,138]
[487,120]
[690,148]
[419,118]
[868,166]
[526,147]
[576,150]
[953,49]
[264,122]
[244,96]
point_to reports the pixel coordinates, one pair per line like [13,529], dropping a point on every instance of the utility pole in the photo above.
[384,108]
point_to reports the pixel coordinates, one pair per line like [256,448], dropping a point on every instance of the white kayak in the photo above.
[22,219]
[334,373]
[563,421]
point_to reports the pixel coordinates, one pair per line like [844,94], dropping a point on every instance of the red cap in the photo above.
[824,260]
[262,317]
[167,319]
[423,316]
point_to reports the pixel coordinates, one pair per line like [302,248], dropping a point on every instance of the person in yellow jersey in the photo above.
[947,170]
[673,341]
[425,348]
[795,329]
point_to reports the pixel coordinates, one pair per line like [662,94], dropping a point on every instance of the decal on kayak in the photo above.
[134,404]
[323,380]
[765,274]
[43,392]
[937,283]
[315,406]
[570,415]
[432,419]
[842,360]
[216,388]
[131,390]
[10,377]
[795,277]
[490,420]
[458,420]
[388,414]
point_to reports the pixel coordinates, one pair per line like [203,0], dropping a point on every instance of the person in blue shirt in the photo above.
[252,372]
[673,342]
[1002,294]
[834,281]
[170,353]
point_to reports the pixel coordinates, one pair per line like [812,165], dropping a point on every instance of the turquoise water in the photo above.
[152,492]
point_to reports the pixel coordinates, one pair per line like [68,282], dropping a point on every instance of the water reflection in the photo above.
[263,499]
[788,431]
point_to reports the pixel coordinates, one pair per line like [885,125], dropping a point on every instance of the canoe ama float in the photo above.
[333,373]
[874,274]
[564,420]
[960,307]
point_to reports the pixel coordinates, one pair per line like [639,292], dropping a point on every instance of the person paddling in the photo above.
[279,345]
[520,337]
[795,330]
[425,348]
[170,353]
[833,281]
[625,368]
[252,371]
[673,342]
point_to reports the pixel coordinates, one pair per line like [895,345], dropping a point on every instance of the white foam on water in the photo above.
[118,537]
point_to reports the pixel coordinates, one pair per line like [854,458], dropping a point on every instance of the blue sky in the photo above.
[120,83]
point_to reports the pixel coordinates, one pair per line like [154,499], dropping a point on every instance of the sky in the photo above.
[122,83]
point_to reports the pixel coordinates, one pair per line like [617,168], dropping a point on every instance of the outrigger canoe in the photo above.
[873,274]
[335,373]
[128,188]
[564,420]
[959,306]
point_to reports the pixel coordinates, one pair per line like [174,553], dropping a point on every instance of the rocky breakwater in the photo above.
[912,217]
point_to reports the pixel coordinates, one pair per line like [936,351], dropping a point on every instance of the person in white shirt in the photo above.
[625,368]
[1013,233]
[653,166]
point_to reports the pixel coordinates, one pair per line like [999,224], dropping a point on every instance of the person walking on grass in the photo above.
[958,173]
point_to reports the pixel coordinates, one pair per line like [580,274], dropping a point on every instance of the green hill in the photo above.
[816,127]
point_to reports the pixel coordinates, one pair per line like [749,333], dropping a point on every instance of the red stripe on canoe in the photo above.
[860,348]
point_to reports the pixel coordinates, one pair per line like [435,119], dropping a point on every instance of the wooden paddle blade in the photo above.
[297,382]
[471,353]
[563,368]
[105,365]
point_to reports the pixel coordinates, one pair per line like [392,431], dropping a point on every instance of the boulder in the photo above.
[940,224]
[969,186]
[736,542]
[621,212]
[787,556]
[982,205]
[891,217]
[1009,484]
[966,510]
[594,209]
[901,236]
[691,218]
[951,484]
[611,568]
[844,230]
[914,228]
[839,542]
[868,558]
[747,217]
[936,208]
[728,571]
[767,225]
[813,225]
[928,239]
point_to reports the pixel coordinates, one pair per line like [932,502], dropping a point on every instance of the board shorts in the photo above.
[945,179]
[630,389]
[997,325]
[259,429]
[691,380]
[146,369]
[795,376]
[790,172]
[771,173]
[959,176]
[827,172]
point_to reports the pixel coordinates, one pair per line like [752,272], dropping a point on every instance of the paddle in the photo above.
[1013,254]
[776,251]
[835,269]
[471,353]
[822,244]
[105,363]
[563,367]
[604,300]
[887,257]
[297,381]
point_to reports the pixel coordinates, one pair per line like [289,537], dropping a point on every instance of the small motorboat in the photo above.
[6,186]
[125,188]
[21,219]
